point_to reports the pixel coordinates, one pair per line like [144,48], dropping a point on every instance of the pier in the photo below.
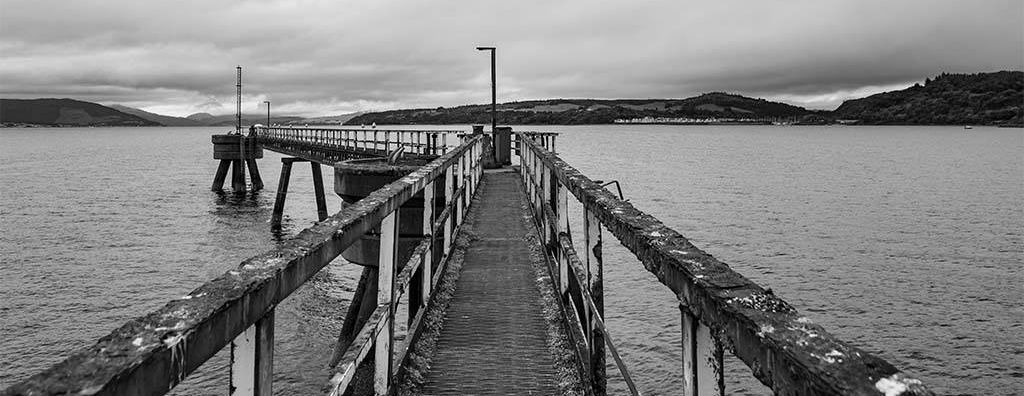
[415,203]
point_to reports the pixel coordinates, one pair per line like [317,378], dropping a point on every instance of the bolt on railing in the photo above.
[719,308]
[153,353]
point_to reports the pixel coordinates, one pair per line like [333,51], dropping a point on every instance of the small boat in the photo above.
[968,127]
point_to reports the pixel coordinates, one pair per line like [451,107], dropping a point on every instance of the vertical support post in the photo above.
[545,198]
[237,176]
[252,359]
[460,183]
[561,210]
[473,160]
[254,174]
[595,278]
[282,193]
[428,228]
[449,180]
[702,358]
[385,287]
[222,173]
[318,187]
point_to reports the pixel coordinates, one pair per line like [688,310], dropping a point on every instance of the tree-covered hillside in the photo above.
[591,111]
[949,99]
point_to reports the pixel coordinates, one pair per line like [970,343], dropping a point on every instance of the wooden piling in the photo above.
[282,193]
[254,175]
[222,173]
[318,187]
[237,176]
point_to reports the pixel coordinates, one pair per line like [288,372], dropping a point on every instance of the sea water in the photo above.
[904,241]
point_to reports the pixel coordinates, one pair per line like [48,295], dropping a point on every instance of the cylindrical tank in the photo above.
[229,147]
[354,180]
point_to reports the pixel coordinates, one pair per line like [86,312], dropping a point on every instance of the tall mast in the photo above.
[238,108]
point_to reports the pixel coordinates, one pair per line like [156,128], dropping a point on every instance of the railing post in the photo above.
[474,164]
[449,191]
[595,278]
[385,286]
[252,359]
[545,198]
[702,358]
[428,229]
[460,183]
[562,224]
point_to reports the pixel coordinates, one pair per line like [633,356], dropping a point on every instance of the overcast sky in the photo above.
[333,57]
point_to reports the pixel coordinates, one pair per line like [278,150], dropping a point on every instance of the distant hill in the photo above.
[327,120]
[949,99]
[65,112]
[157,118]
[207,119]
[200,117]
[592,111]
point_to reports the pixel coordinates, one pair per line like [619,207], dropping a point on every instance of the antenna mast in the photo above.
[238,108]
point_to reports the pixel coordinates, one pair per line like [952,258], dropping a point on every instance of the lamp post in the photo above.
[268,112]
[494,92]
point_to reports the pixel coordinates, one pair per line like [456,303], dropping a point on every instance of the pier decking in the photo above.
[494,339]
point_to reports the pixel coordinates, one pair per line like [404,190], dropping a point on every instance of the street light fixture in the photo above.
[494,92]
[268,112]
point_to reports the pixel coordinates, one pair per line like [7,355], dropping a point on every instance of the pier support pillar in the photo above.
[318,187]
[364,302]
[235,152]
[222,174]
[282,192]
[254,175]
[237,176]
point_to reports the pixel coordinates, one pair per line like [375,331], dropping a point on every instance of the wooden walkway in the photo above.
[494,339]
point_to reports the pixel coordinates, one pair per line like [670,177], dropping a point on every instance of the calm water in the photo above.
[905,241]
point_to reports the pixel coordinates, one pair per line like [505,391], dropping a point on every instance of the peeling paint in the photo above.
[764,302]
[831,357]
[765,329]
[177,326]
[896,384]
[189,297]
[91,390]
[178,345]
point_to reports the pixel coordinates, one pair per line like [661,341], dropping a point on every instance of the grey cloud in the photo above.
[340,56]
